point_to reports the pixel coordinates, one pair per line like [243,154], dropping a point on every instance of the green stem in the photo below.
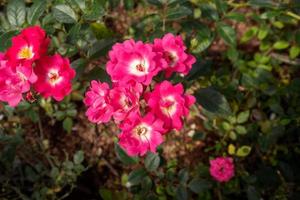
[219,192]
[291,14]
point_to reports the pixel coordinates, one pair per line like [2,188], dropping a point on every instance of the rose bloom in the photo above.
[169,103]
[132,60]
[54,77]
[173,51]
[28,46]
[124,99]
[14,81]
[97,101]
[140,135]
[222,168]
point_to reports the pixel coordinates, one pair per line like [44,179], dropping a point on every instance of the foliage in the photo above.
[246,81]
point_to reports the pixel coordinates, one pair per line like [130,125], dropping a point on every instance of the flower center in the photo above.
[168,106]
[128,102]
[140,67]
[221,169]
[26,53]
[21,76]
[171,57]
[54,77]
[142,132]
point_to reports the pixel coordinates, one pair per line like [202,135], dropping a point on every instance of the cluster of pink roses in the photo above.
[26,63]
[143,115]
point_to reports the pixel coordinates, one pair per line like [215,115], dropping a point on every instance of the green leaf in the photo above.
[294,52]
[213,101]
[74,34]
[232,54]
[94,12]
[35,11]
[16,12]
[183,176]
[98,73]
[155,2]
[281,45]
[201,45]
[80,4]
[100,48]
[262,33]
[78,157]
[146,184]
[4,23]
[68,124]
[209,11]
[227,33]
[178,12]
[33,115]
[5,39]
[241,129]
[243,117]
[249,34]
[79,66]
[243,151]
[64,14]
[231,149]
[100,30]
[263,3]
[123,157]
[199,185]
[152,161]
[221,5]
[200,68]
[203,39]
[226,126]
[236,16]
[54,173]
[106,194]
[135,177]
[181,193]
[252,193]
[297,37]
[232,135]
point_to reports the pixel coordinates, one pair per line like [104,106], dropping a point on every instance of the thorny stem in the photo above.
[97,130]
[285,59]
[164,17]
[110,167]
[67,194]
[219,192]
[21,195]
[41,130]
[42,140]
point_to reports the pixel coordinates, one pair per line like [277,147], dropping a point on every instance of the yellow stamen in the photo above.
[25,53]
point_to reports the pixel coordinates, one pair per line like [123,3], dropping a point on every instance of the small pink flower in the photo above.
[132,60]
[14,82]
[222,169]
[28,46]
[54,77]
[140,135]
[124,100]
[98,102]
[172,49]
[169,104]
